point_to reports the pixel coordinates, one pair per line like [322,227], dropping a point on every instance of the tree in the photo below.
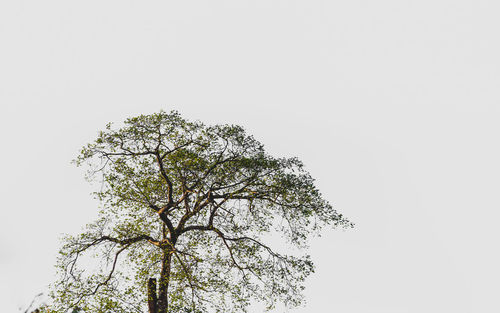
[185,211]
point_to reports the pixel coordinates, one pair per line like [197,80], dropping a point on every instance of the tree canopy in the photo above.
[185,212]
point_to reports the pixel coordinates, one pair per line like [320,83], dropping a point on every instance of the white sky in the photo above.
[392,105]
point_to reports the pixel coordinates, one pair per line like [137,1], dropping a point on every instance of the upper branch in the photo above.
[165,176]
[163,216]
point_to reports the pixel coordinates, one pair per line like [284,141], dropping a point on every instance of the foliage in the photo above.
[189,205]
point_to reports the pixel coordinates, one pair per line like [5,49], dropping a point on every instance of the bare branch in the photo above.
[165,219]
[165,177]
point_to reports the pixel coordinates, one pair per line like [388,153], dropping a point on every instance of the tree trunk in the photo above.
[152,297]
[164,280]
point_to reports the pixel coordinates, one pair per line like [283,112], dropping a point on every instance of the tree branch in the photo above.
[163,173]
[166,220]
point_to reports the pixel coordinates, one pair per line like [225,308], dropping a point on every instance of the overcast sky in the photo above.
[392,105]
